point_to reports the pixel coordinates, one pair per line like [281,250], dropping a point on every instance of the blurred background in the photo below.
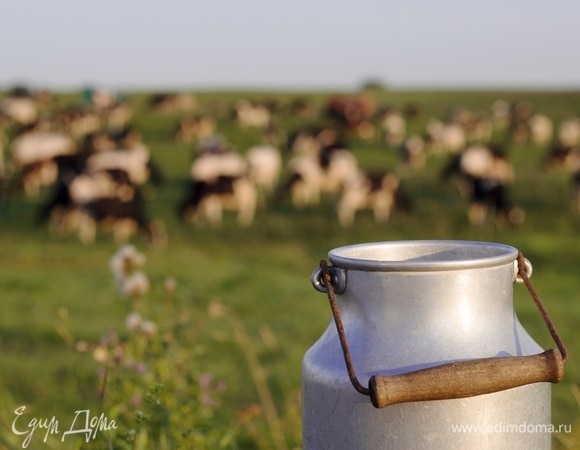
[170,176]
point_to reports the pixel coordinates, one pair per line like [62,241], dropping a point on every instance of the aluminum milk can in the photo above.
[430,327]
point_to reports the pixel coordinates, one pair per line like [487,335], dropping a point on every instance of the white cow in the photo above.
[265,164]
[568,132]
[365,191]
[134,161]
[310,176]
[33,156]
[248,115]
[395,127]
[305,180]
[541,129]
[445,137]
[21,110]
[37,146]
[209,166]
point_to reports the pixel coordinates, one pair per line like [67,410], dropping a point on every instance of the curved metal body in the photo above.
[411,305]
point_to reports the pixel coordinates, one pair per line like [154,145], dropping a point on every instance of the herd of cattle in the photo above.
[91,162]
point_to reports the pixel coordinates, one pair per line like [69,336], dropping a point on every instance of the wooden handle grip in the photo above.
[466,378]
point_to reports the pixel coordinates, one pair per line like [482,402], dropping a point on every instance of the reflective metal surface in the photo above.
[410,305]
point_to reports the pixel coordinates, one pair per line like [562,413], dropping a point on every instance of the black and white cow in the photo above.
[376,191]
[311,175]
[206,201]
[485,176]
[219,180]
[96,199]
[35,157]
[195,128]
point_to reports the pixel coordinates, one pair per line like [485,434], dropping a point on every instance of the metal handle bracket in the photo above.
[337,279]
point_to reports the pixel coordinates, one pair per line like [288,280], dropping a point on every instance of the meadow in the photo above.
[233,308]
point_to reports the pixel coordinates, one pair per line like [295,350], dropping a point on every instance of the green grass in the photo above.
[55,291]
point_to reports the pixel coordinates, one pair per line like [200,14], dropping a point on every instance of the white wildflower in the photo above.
[148,328]
[133,321]
[134,285]
[101,354]
[170,285]
[126,260]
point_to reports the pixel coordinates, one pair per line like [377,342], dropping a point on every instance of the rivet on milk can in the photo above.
[425,350]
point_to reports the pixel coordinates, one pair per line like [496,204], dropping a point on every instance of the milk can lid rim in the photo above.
[422,255]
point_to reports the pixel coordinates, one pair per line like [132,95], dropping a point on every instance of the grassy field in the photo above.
[244,295]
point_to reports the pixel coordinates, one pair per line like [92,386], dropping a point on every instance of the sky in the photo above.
[297,45]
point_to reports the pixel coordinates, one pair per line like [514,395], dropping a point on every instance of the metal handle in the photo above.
[466,378]
[454,380]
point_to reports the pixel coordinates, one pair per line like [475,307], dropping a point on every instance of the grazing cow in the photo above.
[100,98]
[195,128]
[248,115]
[21,110]
[349,111]
[265,164]
[219,180]
[541,129]
[519,129]
[394,126]
[485,176]
[352,113]
[173,102]
[375,191]
[105,199]
[568,132]
[135,162]
[78,122]
[445,137]
[301,108]
[309,176]
[304,142]
[209,165]
[206,201]
[337,164]
[117,117]
[34,157]
[478,128]
[125,218]
[413,153]
[133,158]
[303,182]
[38,146]
[90,185]
[556,156]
